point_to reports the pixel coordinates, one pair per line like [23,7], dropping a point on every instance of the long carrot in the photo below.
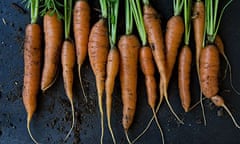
[199,27]
[53,32]
[68,60]
[185,60]
[209,59]
[146,62]
[155,39]
[32,64]
[113,59]
[128,47]
[98,46]
[81,26]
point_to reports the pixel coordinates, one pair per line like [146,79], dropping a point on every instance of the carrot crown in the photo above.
[128,18]
[52,5]
[67,17]
[137,14]
[177,7]
[33,5]
[113,7]
[212,24]
[187,20]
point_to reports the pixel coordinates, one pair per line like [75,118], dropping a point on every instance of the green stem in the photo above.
[146,2]
[177,7]
[112,21]
[52,5]
[137,13]
[67,17]
[34,10]
[129,18]
[187,20]
[103,5]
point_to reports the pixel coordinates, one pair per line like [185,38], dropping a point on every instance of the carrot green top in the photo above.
[52,5]
[187,20]
[177,7]
[33,5]
[128,18]
[103,5]
[67,17]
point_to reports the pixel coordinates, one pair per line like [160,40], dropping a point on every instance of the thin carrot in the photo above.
[199,28]
[32,64]
[53,41]
[68,60]
[113,59]
[155,39]
[81,26]
[98,47]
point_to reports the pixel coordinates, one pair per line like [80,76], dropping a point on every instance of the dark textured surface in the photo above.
[53,116]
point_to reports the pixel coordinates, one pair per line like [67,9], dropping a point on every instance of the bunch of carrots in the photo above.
[110,54]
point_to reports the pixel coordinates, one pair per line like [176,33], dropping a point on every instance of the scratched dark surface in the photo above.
[52,119]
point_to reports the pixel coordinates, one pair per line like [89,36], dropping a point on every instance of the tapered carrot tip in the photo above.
[29,118]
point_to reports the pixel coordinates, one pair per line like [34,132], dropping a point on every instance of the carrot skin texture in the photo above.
[98,51]
[32,66]
[219,44]
[148,69]
[173,38]
[128,47]
[81,26]
[112,71]
[184,70]
[68,61]
[209,69]
[53,32]
[198,27]
[152,24]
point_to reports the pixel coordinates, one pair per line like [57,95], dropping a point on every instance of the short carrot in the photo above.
[53,41]
[185,60]
[98,47]
[81,29]
[68,60]
[32,64]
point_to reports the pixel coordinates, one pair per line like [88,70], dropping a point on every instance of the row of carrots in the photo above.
[109,57]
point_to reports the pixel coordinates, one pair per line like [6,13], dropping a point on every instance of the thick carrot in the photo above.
[81,29]
[53,32]
[32,65]
[98,47]
[155,38]
[128,46]
[184,69]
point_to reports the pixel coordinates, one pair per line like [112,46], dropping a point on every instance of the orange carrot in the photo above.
[53,32]
[128,48]
[184,69]
[155,39]
[32,65]
[81,26]
[98,46]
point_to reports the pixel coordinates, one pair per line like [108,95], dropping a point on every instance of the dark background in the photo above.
[52,119]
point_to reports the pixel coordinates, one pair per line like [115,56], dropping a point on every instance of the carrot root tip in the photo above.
[80,78]
[73,122]
[29,130]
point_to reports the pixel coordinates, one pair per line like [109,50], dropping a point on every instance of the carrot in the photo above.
[98,46]
[155,39]
[32,64]
[209,59]
[184,69]
[53,41]
[81,26]
[128,47]
[68,60]
[113,60]
[146,62]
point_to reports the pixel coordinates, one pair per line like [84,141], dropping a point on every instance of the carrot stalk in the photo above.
[81,26]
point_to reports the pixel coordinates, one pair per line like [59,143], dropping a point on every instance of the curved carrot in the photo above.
[98,47]
[32,65]
[184,69]
[128,47]
[53,32]
[81,29]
